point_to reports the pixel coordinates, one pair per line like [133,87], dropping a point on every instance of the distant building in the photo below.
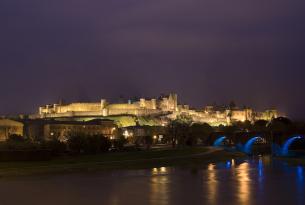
[63,129]
[136,133]
[9,127]
[41,129]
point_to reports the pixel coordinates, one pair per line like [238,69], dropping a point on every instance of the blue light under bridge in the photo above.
[219,141]
[247,148]
[285,148]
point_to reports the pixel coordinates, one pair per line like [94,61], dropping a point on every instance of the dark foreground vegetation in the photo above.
[179,133]
[19,148]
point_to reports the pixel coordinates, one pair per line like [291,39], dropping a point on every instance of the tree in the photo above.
[260,126]
[119,143]
[243,126]
[199,131]
[148,141]
[178,131]
[16,138]
[76,143]
[57,147]
[19,142]
[281,125]
[229,130]
[94,144]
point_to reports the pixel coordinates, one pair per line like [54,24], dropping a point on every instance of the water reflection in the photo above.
[159,186]
[161,170]
[255,181]
[300,179]
[260,169]
[233,162]
[242,176]
[212,184]
[228,164]
[300,173]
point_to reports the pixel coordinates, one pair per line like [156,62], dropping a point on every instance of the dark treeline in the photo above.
[181,132]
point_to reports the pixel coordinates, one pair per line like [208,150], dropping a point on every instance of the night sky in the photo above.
[249,51]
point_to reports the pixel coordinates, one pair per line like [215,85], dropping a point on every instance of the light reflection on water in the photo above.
[300,171]
[242,176]
[254,181]
[159,186]
[212,184]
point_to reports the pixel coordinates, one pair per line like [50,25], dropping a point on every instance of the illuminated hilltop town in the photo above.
[103,118]
[165,106]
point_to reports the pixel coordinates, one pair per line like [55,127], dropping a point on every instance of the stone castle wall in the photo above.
[145,107]
[73,107]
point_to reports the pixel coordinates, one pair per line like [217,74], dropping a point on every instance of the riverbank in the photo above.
[186,157]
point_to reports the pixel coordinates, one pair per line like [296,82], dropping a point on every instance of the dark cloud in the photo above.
[206,50]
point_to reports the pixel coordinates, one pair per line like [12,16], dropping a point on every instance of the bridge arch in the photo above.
[247,148]
[219,141]
[288,142]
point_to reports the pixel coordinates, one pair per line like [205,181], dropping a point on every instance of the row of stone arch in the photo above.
[276,149]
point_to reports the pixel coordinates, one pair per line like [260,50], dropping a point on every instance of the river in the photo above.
[252,181]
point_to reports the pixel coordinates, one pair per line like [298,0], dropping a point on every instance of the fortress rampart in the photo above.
[147,107]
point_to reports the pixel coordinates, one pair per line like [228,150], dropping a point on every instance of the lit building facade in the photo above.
[62,130]
[9,127]
[46,129]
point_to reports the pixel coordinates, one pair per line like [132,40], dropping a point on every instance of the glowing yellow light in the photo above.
[163,169]
[159,189]
[233,162]
[211,167]
[212,184]
[244,183]
[126,134]
[155,170]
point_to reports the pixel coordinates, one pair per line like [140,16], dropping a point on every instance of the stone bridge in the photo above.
[277,144]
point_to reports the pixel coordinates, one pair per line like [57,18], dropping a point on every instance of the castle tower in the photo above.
[154,103]
[40,110]
[228,117]
[105,112]
[55,108]
[249,114]
[173,101]
[142,103]
[103,104]
[47,109]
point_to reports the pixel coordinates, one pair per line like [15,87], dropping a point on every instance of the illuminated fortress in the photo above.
[163,106]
